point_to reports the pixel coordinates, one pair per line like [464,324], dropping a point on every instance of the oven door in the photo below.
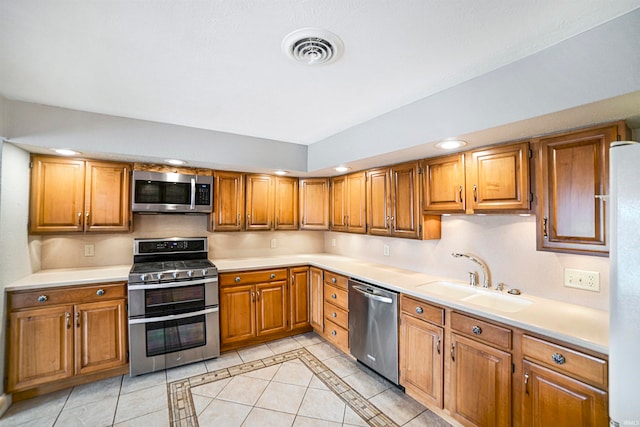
[157,299]
[157,343]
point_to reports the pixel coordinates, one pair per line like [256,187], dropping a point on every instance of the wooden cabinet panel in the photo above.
[336,280]
[299,301]
[65,295]
[356,206]
[314,203]
[421,310]
[444,184]
[251,277]
[337,335]
[480,383]
[339,203]
[237,313]
[551,398]
[228,212]
[271,308]
[100,336]
[379,201]
[405,201]
[336,296]
[421,360]
[286,203]
[337,315]
[481,330]
[107,201]
[259,202]
[317,299]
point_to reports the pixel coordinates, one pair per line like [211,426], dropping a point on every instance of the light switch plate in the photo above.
[582,279]
[385,250]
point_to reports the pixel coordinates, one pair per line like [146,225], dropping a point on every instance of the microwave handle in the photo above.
[193,193]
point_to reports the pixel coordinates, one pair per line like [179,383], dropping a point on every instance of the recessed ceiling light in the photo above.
[341,168]
[451,144]
[312,46]
[281,172]
[176,162]
[65,152]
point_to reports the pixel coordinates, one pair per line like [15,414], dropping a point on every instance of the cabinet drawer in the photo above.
[562,359]
[480,330]
[336,315]
[244,277]
[336,335]
[337,296]
[45,297]
[335,280]
[421,310]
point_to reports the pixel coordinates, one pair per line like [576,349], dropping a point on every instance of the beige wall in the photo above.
[507,243]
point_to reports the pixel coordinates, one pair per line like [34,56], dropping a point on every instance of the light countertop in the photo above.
[575,324]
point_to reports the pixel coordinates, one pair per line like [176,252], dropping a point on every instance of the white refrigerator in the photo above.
[624,327]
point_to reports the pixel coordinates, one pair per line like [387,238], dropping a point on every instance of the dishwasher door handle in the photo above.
[367,294]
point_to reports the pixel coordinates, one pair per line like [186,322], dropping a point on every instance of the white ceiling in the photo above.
[218,65]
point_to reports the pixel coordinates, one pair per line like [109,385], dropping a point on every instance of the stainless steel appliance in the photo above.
[373,328]
[155,192]
[173,304]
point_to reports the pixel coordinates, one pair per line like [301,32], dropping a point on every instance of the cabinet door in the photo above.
[356,203]
[286,202]
[100,336]
[444,184]
[338,203]
[259,202]
[272,314]
[314,203]
[107,205]
[573,173]
[40,347]
[237,313]
[57,195]
[378,201]
[405,201]
[498,179]
[553,399]
[480,383]
[421,361]
[228,213]
[299,297]
[317,299]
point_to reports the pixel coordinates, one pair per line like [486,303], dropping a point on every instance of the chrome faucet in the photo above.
[486,283]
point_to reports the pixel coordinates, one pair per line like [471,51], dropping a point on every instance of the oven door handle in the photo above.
[173,316]
[171,284]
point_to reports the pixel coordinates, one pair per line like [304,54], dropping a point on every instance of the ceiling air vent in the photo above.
[312,46]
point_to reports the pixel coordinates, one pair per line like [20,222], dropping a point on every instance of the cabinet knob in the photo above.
[334,296]
[43,298]
[558,358]
[476,330]
[100,292]
[419,310]
[334,314]
[334,280]
[237,279]
[273,276]
[334,333]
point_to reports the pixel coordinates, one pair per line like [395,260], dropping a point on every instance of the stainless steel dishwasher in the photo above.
[373,327]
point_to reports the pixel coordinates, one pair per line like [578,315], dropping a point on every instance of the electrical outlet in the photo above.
[89,250]
[333,242]
[273,243]
[385,250]
[582,279]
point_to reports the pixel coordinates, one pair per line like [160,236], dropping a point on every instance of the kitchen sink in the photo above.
[449,289]
[505,303]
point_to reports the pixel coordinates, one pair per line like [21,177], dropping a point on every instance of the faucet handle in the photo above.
[473,279]
[500,287]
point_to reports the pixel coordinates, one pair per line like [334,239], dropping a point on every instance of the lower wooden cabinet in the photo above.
[317,299]
[299,302]
[336,310]
[62,334]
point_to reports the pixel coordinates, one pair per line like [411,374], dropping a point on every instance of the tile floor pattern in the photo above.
[301,381]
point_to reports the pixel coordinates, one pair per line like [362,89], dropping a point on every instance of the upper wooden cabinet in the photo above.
[393,201]
[286,203]
[572,175]
[259,201]
[228,193]
[70,195]
[314,203]
[494,179]
[348,203]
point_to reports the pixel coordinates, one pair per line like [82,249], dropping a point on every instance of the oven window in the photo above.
[175,335]
[174,300]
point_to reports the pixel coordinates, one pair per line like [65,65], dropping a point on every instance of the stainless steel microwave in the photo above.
[156,192]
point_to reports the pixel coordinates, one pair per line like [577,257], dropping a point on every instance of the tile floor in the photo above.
[287,393]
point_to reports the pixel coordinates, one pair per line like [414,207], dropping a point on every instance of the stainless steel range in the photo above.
[173,304]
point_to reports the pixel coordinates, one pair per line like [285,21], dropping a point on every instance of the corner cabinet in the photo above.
[72,195]
[573,181]
[314,203]
[65,336]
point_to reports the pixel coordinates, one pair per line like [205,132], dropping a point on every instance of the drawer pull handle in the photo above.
[43,298]
[526,383]
[334,280]
[558,358]
[77,319]
[273,276]
[237,279]
[67,316]
[334,314]
[453,352]
[477,330]
[419,310]
[334,296]
[100,292]
[334,333]
[438,345]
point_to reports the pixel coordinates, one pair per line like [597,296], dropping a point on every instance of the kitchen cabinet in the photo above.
[562,386]
[228,194]
[480,372]
[393,201]
[59,336]
[299,300]
[421,345]
[336,310]
[286,203]
[73,195]
[348,203]
[317,299]
[492,179]
[314,203]
[259,196]
[572,180]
